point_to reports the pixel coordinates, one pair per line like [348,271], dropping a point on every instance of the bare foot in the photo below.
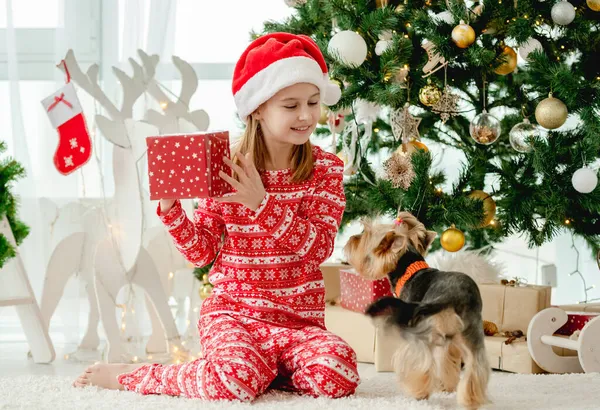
[105,375]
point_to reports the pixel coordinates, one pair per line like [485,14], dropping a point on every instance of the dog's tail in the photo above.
[402,313]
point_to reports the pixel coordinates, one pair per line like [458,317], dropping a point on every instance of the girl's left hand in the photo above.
[250,190]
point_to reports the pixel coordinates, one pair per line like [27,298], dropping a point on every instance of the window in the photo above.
[38,33]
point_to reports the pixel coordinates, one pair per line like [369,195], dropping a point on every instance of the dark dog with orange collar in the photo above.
[438,314]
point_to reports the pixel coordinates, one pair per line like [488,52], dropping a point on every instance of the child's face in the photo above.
[291,115]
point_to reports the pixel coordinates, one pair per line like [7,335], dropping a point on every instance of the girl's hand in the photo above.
[166,205]
[250,190]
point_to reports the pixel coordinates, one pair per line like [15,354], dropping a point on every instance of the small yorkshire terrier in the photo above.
[438,314]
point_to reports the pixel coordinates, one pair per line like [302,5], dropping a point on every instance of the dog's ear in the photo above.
[429,238]
[391,242]
[367,223]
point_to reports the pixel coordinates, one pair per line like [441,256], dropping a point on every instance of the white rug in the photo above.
[377,391]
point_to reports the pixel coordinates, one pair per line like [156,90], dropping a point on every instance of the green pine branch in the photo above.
[10,172]
[533,192]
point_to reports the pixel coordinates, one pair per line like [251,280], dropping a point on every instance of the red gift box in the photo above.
[187,166]
[577,321]
[357,293]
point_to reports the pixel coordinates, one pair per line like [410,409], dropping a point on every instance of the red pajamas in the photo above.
[263,326]
[243,357]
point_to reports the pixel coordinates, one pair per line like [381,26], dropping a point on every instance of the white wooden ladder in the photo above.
[15,290]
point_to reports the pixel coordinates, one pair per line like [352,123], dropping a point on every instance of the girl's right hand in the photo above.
[166,205]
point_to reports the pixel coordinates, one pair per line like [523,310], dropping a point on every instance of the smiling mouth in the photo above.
[301,128]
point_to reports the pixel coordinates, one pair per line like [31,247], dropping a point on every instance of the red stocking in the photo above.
[74,143]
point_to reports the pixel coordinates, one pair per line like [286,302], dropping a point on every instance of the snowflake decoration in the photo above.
[447,105]
[405,127]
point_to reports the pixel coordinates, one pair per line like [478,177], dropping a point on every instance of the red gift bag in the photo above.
[187,166]
[357,293]
[577,321]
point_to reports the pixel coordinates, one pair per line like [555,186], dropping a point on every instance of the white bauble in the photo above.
[563,13]
[348,47]
[584,180]
[530,45]
[381,46]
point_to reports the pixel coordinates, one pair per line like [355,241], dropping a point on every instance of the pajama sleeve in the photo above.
[198,241]
[311,236]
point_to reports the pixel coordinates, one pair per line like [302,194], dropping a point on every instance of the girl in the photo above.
[263,325]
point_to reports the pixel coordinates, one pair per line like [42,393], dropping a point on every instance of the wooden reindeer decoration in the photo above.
[113,252]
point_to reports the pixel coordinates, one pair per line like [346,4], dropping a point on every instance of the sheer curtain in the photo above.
[208,34]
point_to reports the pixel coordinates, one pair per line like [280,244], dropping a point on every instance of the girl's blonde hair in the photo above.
[253,141]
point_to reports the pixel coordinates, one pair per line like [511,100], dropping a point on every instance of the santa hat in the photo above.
[276,61]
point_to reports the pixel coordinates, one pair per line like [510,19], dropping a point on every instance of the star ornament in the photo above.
[405,127]
[447,105]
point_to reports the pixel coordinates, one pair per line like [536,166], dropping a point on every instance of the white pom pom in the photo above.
[333,93]
[472,263]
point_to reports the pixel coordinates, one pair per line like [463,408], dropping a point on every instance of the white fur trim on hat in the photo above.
[279,75]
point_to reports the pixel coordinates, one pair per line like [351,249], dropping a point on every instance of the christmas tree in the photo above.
[10,171]
[446,72]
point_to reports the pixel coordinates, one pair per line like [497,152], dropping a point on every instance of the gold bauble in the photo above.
[430,95]
[452,239]
[463,35]
[205,291]
[489,206]
[411,147]
[381,3]
[551,113]
[594,4]
[324,115]
[510,61]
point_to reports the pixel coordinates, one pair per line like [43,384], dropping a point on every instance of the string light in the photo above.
[164,105]
[586,288]
[493,222]
[171,274]
[135,359]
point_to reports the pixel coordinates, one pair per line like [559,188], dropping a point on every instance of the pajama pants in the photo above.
[243,357]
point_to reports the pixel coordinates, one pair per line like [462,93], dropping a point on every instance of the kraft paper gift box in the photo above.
[372,344]
[357,293]
[187,166]
[512,308]
[331,276]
